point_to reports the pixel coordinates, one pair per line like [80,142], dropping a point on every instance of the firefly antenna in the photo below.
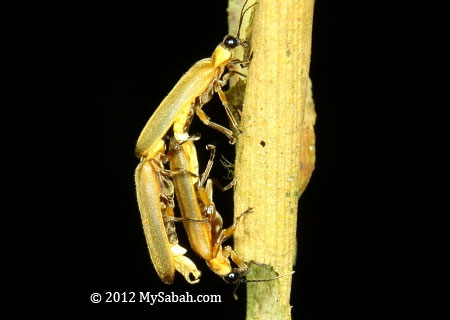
[242,16]
[274,278]
[244,280]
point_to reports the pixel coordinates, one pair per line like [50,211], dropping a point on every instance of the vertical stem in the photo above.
[269,153]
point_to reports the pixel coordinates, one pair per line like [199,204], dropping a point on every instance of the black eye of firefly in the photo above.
[230,42]
[232,277]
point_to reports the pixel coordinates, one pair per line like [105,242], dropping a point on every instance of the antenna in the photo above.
[244,280]
[242,16]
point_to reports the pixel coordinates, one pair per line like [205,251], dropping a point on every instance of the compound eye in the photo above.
[230,42]
[232,277]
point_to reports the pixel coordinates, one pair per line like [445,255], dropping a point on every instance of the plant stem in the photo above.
[275,152]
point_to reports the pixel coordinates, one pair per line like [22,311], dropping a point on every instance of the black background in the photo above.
[89,75]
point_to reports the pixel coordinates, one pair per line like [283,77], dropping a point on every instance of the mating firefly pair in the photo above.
[156,189]
[157,186]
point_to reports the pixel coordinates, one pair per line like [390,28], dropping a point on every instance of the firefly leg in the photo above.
[207,121]
[227,233]
[205,174]
[209,165]
[222,188]
[223,98]
[229,252]
[205,97]
[243,63]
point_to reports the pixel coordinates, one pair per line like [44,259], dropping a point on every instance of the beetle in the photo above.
[155,195]
[203,223]
[194,89]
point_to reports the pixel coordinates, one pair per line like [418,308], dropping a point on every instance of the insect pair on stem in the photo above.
[157,186]
[156,189]
[203,223]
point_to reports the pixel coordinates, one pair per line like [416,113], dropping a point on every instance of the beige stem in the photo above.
[275,154]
